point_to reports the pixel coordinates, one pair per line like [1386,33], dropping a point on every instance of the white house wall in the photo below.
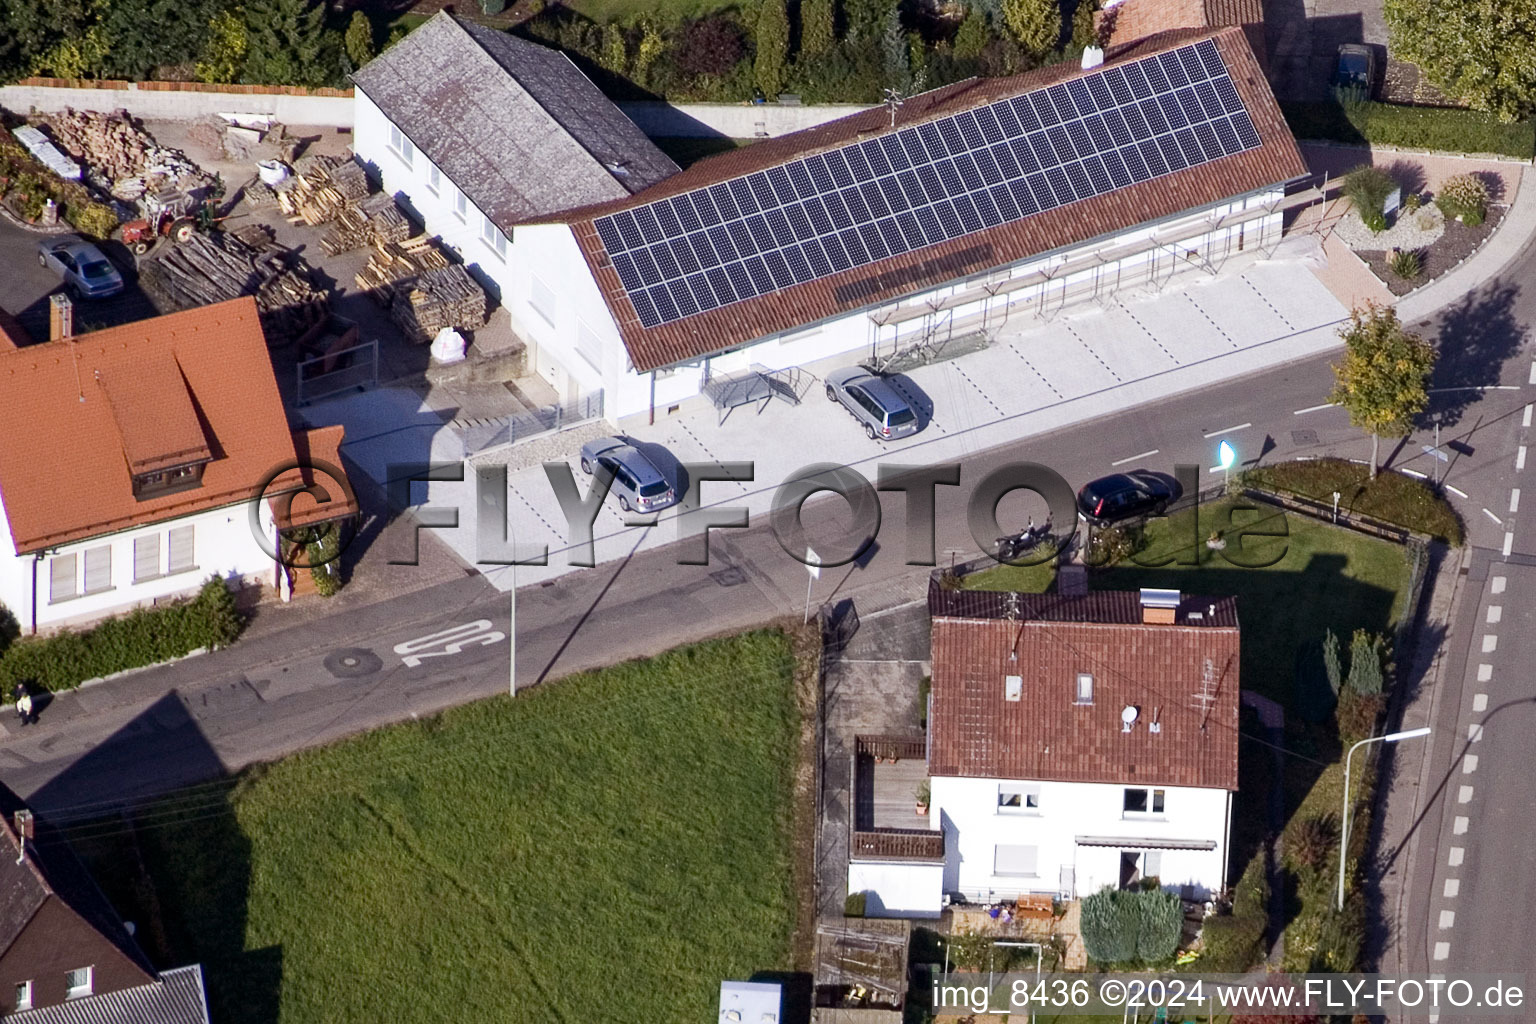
[223,545]
[898,889]
[974,826]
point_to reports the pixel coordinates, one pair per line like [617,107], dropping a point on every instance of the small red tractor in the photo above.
[167,214]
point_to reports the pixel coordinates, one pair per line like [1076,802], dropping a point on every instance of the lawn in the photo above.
[608,847]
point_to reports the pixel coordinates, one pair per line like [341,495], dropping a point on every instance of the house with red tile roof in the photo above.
[882,233]
[139,460]
[1078,741]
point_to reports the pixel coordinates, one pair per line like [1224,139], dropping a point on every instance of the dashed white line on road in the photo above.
[1490,643]
[1475,733]
[1495,518]
[1520,455]
[1314,408]
[1498,584]
[1484,672]
[1495,613]
[1509,542]
[1514,500]
[1480,702]
[1452,888]
[1229,430]
[1464,795]
[1136,458]
[1442,951]
[1458,854]
[1459,826]
[1447,920]
[1469,764]
[1416,473]
[1533,371]
[1527,421]
[1456,491]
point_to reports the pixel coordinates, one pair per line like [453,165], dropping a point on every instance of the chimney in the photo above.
[1093,56]
[61,317]
[1159,607]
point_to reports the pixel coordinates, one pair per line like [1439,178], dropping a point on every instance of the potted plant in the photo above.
[924,791]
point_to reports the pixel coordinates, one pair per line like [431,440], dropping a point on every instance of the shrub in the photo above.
[1161,916]
[1392,497]
[817,27]
[1367,655]
[854,905]
[1367,187]
[142,637]
[1387,124]
[772,40]
[1406,263]
[1124,925]
[1412,201]
[1340,939]
[94,219]
[1357,715]
[1331,662]
[358,42]
[1464,196]
[1311,840]
[1112,544]
[710,46]
[1232,942]
[973,35]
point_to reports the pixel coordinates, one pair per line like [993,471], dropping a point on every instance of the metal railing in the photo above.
[897,844]
[480,435]
[331,374]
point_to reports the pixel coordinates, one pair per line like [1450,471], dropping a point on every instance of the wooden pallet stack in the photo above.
[207,269]
[445,297]
[392,262]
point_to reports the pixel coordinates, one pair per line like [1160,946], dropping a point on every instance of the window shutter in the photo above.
[98,569]
[1152,864]
[146,557]
[61,577]
[182,545]
[1016,860]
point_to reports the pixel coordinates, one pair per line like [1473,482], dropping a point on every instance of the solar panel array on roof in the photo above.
[926,184]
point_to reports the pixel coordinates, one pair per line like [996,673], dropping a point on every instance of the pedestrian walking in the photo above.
[24,705]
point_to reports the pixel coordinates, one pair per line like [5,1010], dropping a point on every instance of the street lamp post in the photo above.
[1391,737]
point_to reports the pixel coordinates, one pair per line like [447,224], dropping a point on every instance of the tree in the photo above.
[710,46]
[358,41]
[896,53]
[288,44]
[146,34]
[1366,654]
[973,35]
[1083,33]
[1331,661]
[772,38]
[817,27]
[1483,52]
[1382,381]
[225,48]
[1036,24]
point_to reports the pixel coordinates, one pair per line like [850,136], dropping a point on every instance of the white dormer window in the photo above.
[1013,688]
[1084,688]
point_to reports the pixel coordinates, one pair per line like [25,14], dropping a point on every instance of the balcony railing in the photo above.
[898,844]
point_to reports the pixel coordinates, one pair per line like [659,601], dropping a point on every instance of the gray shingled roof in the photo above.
[514,125]
[177,998]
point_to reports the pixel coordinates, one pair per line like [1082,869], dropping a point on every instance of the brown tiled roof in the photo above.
[1182,676]
[75,414]
[319,454]
[1274,161]
[1131,20]
[12,334]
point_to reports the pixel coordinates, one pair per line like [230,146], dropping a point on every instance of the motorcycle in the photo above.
[1026,540]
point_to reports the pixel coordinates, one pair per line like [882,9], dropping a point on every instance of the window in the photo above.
[98,569]
[401,146]
[589,345]
[77,983]
[168,481]
[542,299]
[460,205]
[1013,688]
[24,996]
[434,180]
[1144,801]
[1015,860]
[61,578]
[1015,799]
[146,558]
[1084,688]
[182,544]
[492,237]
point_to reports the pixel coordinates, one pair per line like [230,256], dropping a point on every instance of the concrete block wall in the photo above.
[182,100]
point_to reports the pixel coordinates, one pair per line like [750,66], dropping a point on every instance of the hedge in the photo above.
[1121,926]
[144,636]
[1392,497]
[1388,124]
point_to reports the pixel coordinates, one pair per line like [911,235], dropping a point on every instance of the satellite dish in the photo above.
[1128,715]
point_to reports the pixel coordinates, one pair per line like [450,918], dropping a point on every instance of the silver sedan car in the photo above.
[873,402]
[86,272]
[640,486]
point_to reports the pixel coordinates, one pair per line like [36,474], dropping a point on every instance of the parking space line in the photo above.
[1442,950]
[1520,455]
[1229,430]
[1447,920]
[1490,643]
[1480,702]
[1136,458]
[1314,408]
[1469,764]
[1498,584]
[1532,379]
[1459,826]
[1475,733]
[1490,515]
[1464,795]
[1458,854]
[1527,421]
[1416,473]
[1495,613]
[1509,542]
[1452,888]
[1484,672]
[1514,500]
[1456,491]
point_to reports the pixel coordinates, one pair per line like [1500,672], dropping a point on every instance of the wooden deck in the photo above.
[893,793]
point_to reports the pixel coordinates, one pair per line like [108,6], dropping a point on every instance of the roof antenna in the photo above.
[893,99]
[23,832]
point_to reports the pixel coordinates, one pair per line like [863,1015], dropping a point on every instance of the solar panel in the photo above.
[927,184]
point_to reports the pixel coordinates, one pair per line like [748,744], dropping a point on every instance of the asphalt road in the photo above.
[25,286]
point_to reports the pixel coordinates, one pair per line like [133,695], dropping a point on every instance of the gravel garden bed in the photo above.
[1456,243]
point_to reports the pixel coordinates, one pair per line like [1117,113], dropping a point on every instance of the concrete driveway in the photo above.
[1303,38]
[25,286]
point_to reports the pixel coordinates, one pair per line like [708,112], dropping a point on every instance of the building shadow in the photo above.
[148,812]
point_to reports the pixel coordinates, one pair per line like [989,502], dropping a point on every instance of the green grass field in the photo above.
[608,847]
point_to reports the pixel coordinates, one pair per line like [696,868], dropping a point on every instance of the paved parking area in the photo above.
[1036,377]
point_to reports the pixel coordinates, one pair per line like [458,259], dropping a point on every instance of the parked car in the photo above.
[86,272]
[1122,496]
[641,487]
[873,402]
[1356,68]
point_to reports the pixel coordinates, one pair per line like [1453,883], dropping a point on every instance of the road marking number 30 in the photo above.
[451,641]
